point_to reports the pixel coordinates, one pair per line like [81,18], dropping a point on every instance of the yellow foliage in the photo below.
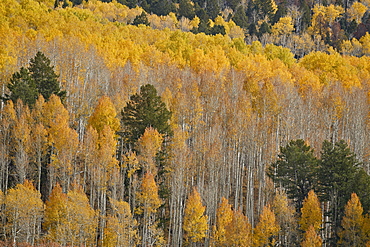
[24,211]
[149,144]
[266,229]
[195,222]
[365,42]
[148,196]
[104,114]
[311,212]
[352,223]
[283,27]
[224,216]
[81,220]
[55,212]
[356,12]
[311,238]
[120,229]
[238,231]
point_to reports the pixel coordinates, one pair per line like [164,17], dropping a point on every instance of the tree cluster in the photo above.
[226,103]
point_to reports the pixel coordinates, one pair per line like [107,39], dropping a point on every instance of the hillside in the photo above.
[170,135]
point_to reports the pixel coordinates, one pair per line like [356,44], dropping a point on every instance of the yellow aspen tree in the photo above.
[267,229]
[24,211]
[284,26]
[105,171]
[149,144]
[39,148]
[81,220]
[352,223]
[63,141]
[149,202]
[121,226]
[224,216]
[22,142]
[311,238]
[6,124]
[104,114]
[238,231]
[356,12]
[285,216]
[311,212]
[195,222]
[55,217]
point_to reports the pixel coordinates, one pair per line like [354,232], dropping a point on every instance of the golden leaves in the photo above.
[195,222]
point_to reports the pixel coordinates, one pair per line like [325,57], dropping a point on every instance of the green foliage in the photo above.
[22,87]
[295,170]
[39,78]
[337,172]
[186,9]
[145,109]
[141,19]
[240,18]
[44,76]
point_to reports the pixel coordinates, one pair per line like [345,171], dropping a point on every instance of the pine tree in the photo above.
[145,109]
[295,170]
[22,87]
[195,222]
[44,77]
[38,78]
[337,173]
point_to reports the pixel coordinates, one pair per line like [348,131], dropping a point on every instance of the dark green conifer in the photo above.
[145,109]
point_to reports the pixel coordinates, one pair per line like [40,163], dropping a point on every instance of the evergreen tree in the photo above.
[145,109]
[265,28]
[295,170]
[240,18]
[141,19]
[337,173]
[22,87]
[186,9]
[39,78]
[44,77]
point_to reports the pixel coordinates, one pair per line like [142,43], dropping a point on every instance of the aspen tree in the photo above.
[267,229]
[311,212]
[81,219]
[104,114]
[121,226]
[22,142]
[238,231]
[56,214]
[352,223]
[24,210]
[149,144]
[195,222]
[285,216]
[224,216]
[311,238]
[149,202]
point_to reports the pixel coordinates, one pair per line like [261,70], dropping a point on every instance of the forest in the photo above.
[124,126]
